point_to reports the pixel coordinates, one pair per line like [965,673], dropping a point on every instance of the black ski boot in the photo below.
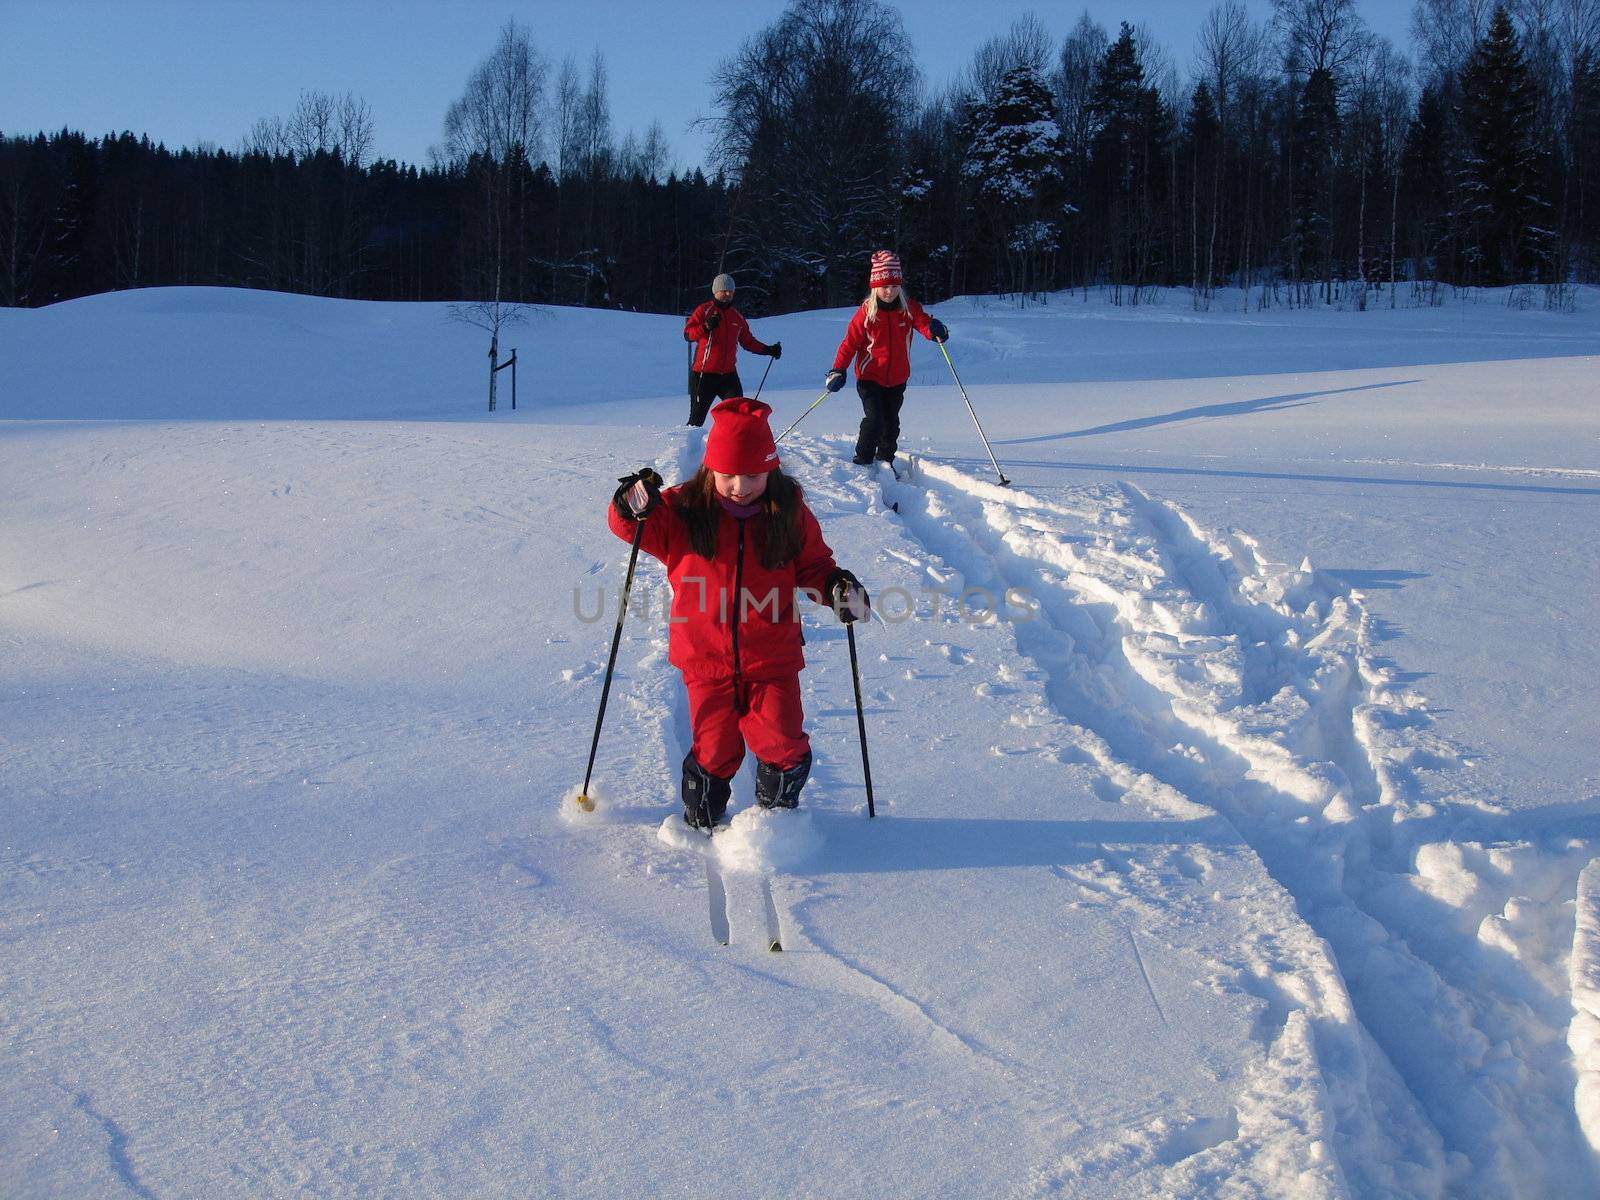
[705,796]
[781,789]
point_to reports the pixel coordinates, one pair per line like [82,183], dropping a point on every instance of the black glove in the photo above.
[711,320]
[938,329]
[775,350]
[652,490]
[834,380]
[847,598]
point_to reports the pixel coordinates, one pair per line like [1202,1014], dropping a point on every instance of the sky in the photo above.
[189,73]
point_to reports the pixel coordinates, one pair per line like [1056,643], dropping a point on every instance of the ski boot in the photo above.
[705,796]
[777,788]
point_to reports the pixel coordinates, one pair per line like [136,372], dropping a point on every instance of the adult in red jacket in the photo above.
[879,340]
[740,546]
[718,329]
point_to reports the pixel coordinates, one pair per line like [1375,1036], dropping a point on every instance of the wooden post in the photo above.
[495,370]
[494,353]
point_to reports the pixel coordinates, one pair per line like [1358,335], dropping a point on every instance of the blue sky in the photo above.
[187,72]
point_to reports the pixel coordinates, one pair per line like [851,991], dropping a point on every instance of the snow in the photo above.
[1234,768]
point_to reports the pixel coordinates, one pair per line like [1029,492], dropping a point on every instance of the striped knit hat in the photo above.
[885,269]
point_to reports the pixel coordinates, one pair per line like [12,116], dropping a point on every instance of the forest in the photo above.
[1301,158]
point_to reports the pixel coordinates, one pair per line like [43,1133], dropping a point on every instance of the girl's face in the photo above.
[741,489]
[887,293]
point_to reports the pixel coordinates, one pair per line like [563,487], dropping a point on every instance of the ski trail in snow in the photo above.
[116,1146]
[674,744]
[1197,1127]
[909,1008]
[1473,978]
[1248,686]
[1144,973]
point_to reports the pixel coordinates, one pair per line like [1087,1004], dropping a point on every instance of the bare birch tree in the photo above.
[494,130]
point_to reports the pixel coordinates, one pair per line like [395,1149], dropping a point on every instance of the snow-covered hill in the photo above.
[1243,855]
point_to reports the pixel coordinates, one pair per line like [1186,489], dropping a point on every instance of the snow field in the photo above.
[1244,685]
[1094,884]
[1186,885]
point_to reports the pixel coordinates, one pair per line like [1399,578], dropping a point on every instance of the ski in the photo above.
[894,505]
[699,841]
[717,898]
[774,933]
[702,842]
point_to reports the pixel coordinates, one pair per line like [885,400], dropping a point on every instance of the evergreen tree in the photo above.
[1426,187]
[1316,139]
[25,202]
[1014,160]
[1132,131]
[1500,209]
[1119,84]
[1201,128]
[67,269]
[1583,157]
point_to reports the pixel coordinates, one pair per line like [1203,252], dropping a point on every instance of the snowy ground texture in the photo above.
[1248,850]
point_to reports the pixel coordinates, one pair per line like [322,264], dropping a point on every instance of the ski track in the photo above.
[1422,1021]
[1250,687]
[659,710]
[668,697]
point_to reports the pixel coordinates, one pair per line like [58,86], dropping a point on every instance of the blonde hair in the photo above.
[871,302]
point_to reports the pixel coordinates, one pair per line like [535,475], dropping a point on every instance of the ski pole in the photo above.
[802,416]
[763,382]
[583,800]
[1004,482]
[861,720]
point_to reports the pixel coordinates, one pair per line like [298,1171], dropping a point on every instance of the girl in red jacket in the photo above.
[717,330]
[738,542]
[879,339]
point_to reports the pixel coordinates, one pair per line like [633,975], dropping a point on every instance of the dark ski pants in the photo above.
[773,725]
[705,388]
[880,424]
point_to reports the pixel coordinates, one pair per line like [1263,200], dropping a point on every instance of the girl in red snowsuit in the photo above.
[738,542]
[879,340]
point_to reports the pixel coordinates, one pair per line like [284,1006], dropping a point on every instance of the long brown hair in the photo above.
[777,526]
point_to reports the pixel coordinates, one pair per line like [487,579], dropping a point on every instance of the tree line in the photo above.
[1302,158]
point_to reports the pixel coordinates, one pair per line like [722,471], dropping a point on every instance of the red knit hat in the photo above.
[885,269]
[740,441]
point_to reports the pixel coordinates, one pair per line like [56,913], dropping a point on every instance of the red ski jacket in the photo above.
[716,355]
[882,348]
[711,635]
